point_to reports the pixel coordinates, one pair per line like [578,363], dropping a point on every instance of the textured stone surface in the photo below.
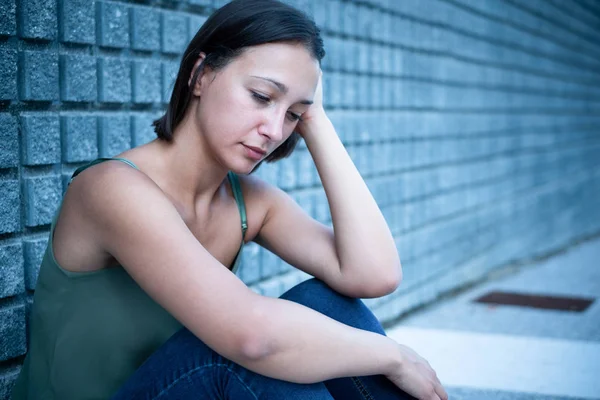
[41,138]
[7,379]
[169,74]
[12,332]
[115,134]
[78,78]
[38,19]
[9,157]
[143,131]
[39,76]
[147,82]
[114,80]
[8,22]
[78,21]
[11,269]
[145,29]
[174,32]
[34,252]
[8,74]
[113,24]
[10,217]
[42,197]
[79,137]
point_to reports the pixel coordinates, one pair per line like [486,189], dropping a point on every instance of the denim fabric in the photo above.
[185,368]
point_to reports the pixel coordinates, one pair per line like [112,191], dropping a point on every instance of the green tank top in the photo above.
[89,331]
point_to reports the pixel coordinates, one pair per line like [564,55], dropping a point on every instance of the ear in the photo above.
[196,89]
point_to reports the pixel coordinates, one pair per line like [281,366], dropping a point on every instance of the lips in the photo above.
[257,149]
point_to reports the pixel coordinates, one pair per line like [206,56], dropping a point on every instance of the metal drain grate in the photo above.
[575,304]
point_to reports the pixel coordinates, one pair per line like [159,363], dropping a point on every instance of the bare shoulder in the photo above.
[111,184]
[93,198]
[259,197]
[257,189]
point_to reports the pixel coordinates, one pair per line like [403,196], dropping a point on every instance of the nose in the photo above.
[272,126]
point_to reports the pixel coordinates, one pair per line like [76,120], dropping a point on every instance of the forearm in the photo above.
[301,345]
[364,243]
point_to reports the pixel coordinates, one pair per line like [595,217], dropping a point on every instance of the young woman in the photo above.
[136,298]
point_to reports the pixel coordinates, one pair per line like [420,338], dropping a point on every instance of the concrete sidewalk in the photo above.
[483,351]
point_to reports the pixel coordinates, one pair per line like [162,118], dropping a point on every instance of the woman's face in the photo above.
[254,102]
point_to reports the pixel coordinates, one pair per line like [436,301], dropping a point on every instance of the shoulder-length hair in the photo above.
[224,36]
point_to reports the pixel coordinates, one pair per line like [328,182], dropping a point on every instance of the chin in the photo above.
[244,168]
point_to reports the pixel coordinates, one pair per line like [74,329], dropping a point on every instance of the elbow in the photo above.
[387,283]
[255,344]
[253,348]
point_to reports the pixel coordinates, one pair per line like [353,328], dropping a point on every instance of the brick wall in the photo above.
[476,124]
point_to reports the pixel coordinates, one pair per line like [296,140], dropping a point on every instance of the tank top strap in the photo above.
[98,161]
[239,199]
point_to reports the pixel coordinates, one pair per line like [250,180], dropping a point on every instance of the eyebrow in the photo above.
[282,88]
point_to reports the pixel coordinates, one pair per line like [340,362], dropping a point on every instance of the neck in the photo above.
[187,170]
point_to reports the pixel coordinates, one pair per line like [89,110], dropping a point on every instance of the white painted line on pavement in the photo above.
[503,362]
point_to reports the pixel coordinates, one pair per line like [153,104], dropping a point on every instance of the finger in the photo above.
[440,391]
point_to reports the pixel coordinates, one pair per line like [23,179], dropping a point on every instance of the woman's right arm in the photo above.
[136,223]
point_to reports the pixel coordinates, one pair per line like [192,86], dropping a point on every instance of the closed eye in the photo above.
[260,98]
[294,117]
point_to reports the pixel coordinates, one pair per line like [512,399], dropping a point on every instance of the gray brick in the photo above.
[147,82]
[7,381]
[34,253]
[78,78]
[12,332]
[271,288]
[145,29]
[115,135]
[143,131]
[78,22]
[39,76]
[10,218]
[38,19]
[169,73]
[41,138]
[8,22]
[79,138]
[196,22]
[320,13]
[334,16]
[349,18]
[306,167]
[250,269]
[220,3]
[174,32]
[8,74]
[114,79]
[288,174]
[11,270]
[9,156]
[201,2]
[113,25]
[42,198]
[269,264]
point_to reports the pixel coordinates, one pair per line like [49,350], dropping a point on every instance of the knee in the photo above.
[317,295]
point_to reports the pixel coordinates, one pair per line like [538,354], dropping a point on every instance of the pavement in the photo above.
[507,352]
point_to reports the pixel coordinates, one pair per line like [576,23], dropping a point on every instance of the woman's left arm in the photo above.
[358,257]
[364,244]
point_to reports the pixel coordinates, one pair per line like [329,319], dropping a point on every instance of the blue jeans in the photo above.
[185,368]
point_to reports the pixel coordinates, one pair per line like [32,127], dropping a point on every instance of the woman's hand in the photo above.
[315,113]
[416,377]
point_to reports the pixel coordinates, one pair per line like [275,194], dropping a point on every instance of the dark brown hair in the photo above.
[224,36]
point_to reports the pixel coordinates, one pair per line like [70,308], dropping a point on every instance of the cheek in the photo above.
[228,114]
